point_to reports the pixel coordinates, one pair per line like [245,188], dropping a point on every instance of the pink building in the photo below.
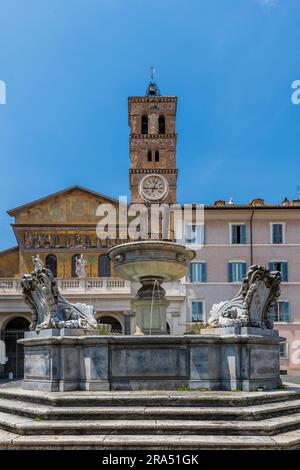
[236,237]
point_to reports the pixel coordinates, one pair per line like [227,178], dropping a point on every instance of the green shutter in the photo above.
[191,272]
[243,234]
[230,276]
[271,266]
[284,272]
[277,233]
[244,270]
[286,312]
[204,273]
[233,234]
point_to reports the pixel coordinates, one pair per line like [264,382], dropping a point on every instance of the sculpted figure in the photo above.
[27,240]
[49,308]
[81,264]
[37,262]
[47,240]
[252,305]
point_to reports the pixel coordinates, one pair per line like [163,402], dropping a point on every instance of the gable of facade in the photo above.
[75,205]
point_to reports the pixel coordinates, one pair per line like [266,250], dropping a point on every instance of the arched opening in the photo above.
[14,330]
[51,264]
[161,124]
[103,266]
[149,156]
[157,155]
[116,326]
[144,128]
[74,259]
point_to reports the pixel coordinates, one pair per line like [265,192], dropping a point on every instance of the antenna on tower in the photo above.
[152,73]
[152,89]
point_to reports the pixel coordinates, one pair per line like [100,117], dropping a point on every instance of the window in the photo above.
[161,124]
[51,264]
[281,266]
[195,234]
[197,311]
[103,266]
[277,233]
[236,271]
[144,124]
[283,350]
[281,312]
[74,258]
[156,155]
[238,234]
[198,272]
[149,156]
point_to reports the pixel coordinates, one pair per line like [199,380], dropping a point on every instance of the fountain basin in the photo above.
[135,261]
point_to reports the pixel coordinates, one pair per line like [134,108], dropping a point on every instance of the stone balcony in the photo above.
[91,286]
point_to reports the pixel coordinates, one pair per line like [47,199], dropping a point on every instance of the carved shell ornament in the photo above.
[252,305]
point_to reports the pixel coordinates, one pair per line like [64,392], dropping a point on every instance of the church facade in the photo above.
[61,227]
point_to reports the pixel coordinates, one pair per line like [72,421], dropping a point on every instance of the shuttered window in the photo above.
[197,311]
[238,234]
[198,272]
[237,271]
[277,233]
[195,234]
[281,312]
[282,267]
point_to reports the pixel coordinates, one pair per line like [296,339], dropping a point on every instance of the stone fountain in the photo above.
[151,263]
[66,351]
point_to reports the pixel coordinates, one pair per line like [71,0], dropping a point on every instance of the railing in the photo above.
[100,285]
[11,286]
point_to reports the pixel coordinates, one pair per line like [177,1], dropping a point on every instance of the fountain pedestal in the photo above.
[151,307]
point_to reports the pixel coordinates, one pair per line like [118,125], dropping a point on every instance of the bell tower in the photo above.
[152,122]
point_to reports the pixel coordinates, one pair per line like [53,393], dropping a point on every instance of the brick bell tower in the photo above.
[153,171]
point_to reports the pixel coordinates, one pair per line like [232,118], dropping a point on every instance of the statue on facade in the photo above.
[37,263]
[36,240]
[252,305]
[49,308]
[81,265]
[27,240]
[57,240]
[77,238]
[47,240]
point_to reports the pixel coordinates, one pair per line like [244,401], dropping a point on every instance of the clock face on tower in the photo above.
[153,188]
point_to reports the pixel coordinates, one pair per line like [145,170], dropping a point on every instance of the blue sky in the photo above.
[69,66]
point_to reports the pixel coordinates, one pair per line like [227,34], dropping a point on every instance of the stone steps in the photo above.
[28,426]
[151,398]
[149,420]
[47,412]
[285,441]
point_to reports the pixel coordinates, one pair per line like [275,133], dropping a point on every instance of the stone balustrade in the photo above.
[10,286]
[105,285]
